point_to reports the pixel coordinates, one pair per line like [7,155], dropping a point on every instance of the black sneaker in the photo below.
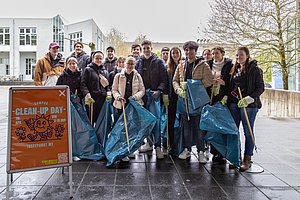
[218,159]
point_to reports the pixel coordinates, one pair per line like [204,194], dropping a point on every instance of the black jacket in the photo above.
[72,79]
[255,85]
[112,75]
[224,89]
[83,60]
[109,65]
[158,73]
[90,81]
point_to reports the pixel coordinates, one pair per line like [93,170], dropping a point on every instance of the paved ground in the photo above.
[145,178]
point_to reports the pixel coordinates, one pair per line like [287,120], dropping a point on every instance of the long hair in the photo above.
[171,62]
[236,64]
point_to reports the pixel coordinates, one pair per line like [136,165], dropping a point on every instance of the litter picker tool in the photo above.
[247,119]
[125,124]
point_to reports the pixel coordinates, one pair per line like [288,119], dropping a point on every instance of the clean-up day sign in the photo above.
[38,134]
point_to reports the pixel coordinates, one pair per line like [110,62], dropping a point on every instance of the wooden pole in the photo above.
[125,124]
[247,119]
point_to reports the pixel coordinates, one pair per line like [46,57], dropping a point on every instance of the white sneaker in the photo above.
[207,154]
[146,147]
[126,159]
[159,154]
[165,151]
[184,154]
[202,157]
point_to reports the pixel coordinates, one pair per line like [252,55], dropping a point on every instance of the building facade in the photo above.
[24,40]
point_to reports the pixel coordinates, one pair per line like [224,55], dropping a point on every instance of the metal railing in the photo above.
[280,103]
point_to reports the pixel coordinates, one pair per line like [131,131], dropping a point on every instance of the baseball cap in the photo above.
[110,47]
[53,45]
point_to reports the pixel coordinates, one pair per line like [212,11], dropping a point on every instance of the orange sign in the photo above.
[38,128]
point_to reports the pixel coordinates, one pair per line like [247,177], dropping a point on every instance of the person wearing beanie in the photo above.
[71,77]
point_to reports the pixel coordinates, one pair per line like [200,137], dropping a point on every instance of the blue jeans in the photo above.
[192,133]
[238,115]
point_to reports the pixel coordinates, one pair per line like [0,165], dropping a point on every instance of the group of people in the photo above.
[143,75]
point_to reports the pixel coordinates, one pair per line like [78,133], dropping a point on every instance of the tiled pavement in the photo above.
[146,178]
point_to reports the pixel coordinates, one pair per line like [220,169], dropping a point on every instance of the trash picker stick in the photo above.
[186,108]
[91,112]
[247,119]
[167,129]
[125,124]
[212,90]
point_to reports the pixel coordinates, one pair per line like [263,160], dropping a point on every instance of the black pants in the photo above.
[171,119]
[99,101]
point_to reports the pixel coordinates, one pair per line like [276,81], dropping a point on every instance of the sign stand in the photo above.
[71,181]
[39,120]
[7,187]
[255,169]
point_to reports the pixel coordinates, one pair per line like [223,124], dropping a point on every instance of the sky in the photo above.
[159,20]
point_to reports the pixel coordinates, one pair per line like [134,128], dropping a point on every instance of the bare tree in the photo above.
[140,38]
[265,26]
[117,39]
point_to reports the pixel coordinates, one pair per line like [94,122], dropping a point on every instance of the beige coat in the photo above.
[119,85]
[201,72]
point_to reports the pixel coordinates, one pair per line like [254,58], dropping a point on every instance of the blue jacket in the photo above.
[158,73]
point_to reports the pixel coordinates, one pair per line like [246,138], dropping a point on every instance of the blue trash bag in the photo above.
[178,136]
[153,105]
[222,132]
[104,122]
[197,97]
[84,140]
[163,124]
[140,123]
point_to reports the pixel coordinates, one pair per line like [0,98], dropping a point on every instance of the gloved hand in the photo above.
[75,98]
[183,85]
[216,89]
[108,95]
[181,93]
[88,99]
[166,100]
[244,102]
[156,94]
[121,99]
[224,100]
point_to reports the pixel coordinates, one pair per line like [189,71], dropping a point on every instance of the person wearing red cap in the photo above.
[50,67]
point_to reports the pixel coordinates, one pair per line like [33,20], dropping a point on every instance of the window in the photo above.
[4,36]
[29,62]
[58,32]
[5,61]
[74,38]
[28,36]
[7,70]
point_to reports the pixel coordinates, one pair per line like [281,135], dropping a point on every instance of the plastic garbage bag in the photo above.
[104,122]
[140,123]
[163,124]
[221,131]
[197,97]
[178,136]
[153,105]
[84,140]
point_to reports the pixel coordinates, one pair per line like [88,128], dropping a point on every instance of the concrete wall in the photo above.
[280,103]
